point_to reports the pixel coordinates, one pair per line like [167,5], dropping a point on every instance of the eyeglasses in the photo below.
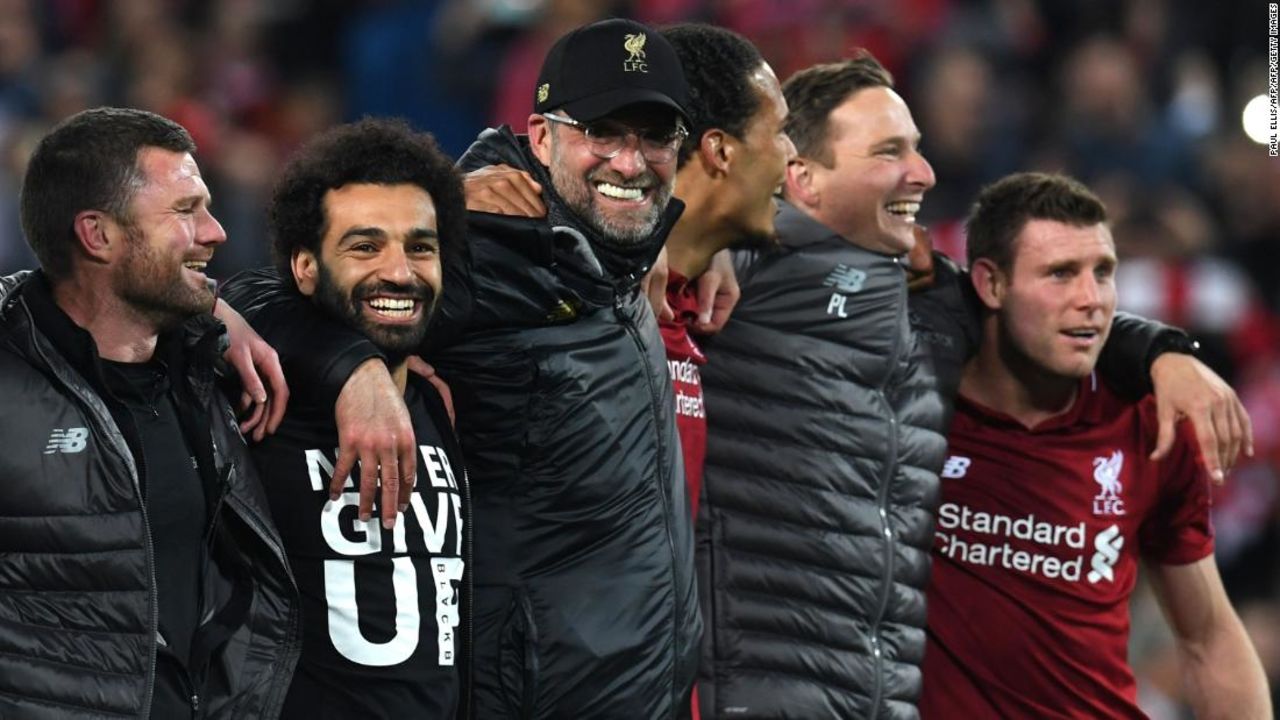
[607,138]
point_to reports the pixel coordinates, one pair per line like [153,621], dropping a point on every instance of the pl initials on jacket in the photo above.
[79,618]
[825,435]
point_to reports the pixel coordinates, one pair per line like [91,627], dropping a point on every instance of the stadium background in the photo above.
[1140,98]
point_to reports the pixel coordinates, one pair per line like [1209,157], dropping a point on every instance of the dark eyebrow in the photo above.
[361,231]
[193,200]
[424,233]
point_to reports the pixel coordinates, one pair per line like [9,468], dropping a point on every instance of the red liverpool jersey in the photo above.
[684,357]
[1039,536]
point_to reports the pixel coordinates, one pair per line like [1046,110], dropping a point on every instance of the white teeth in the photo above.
[392,302]
[197,266]
[904,208]
[392,307]
[620,193]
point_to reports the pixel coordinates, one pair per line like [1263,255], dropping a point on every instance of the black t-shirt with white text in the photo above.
[380,608]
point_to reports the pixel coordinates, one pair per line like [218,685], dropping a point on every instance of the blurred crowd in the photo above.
[1141,99]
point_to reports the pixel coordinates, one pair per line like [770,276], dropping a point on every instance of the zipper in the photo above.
[663,491]
[115,442]
[291,645]
[882,509]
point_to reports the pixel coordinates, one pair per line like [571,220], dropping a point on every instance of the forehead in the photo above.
[1051,241]
[872,115]
[169,171]
[390,207]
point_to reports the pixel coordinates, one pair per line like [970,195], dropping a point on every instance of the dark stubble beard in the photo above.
[155,287]
[396,341]
[580,197]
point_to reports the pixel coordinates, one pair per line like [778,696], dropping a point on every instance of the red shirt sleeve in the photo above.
[1179,531]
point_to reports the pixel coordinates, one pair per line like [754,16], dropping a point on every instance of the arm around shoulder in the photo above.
[317,354]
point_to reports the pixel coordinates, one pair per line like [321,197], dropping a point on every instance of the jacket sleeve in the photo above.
[317,353]
[1135,342]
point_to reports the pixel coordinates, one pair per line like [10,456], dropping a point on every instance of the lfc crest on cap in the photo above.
[634,44]
[543,91]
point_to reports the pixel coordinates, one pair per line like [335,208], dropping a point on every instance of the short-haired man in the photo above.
[731,165]
[583,565]
[364,218]
[1051,499]
[140,573]
[827,400]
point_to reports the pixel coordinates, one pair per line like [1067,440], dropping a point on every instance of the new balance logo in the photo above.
[1107,544]
[846,279]
[70,440]
[956,466]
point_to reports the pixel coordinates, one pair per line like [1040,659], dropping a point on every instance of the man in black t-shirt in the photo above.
[363,218]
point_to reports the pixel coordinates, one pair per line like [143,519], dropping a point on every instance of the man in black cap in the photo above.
[583,566]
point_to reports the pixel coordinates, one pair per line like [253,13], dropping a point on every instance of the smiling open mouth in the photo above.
[905,209]
[197,265]
[618,192]
[393,307]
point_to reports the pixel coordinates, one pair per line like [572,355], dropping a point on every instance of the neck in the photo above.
[119,331]
[1002,378]
[702,230]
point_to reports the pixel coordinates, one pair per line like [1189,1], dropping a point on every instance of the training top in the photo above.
[1038,540]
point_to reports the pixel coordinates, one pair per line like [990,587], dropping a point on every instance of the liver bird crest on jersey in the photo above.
[1106,472]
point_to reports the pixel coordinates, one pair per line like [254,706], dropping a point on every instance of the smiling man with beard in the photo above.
[140,574]
[364,219]
[584,592]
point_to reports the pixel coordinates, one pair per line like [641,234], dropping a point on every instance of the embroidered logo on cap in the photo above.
[634,44]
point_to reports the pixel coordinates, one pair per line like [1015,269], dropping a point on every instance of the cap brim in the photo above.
[598,106]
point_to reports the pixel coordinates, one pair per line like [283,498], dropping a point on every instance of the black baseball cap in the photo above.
[599,68]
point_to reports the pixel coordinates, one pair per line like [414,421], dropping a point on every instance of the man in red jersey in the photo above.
[1049,499]
[730,167]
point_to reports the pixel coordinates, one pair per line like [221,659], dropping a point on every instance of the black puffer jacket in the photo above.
[583,560]
[826,430]
[78,608]
[827,397]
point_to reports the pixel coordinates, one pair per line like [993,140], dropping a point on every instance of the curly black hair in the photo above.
[718,65]
[374,151]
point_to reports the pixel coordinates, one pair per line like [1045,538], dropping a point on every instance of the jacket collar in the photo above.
[196,340]
[796,228]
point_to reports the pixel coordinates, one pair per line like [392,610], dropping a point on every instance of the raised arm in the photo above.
[1220,667]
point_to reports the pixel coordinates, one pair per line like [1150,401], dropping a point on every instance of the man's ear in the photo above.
[540,138]
[305,268]
[800,187]
[99,235]
[716,151]
[990,282]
